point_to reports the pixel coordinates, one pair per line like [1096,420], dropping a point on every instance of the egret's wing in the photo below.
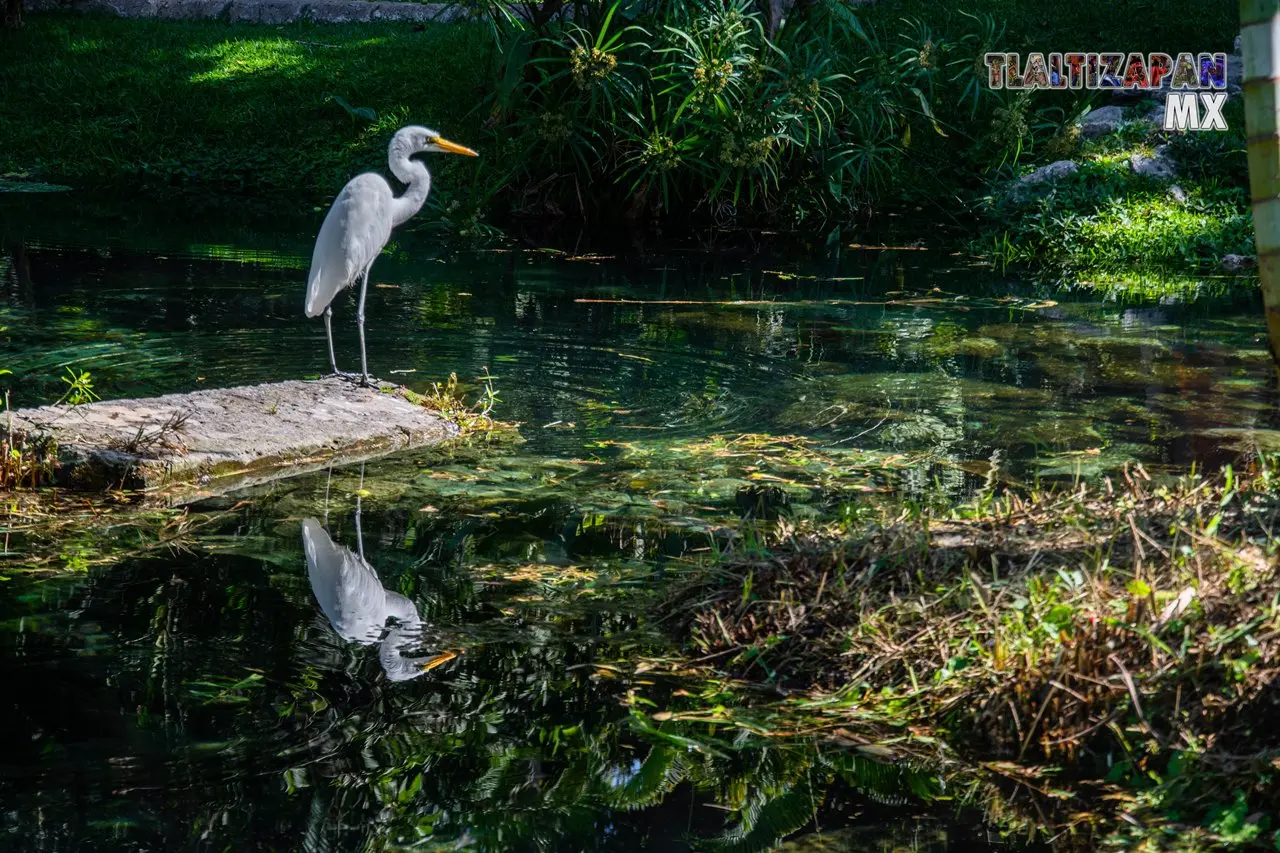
[354,231]
[344,585]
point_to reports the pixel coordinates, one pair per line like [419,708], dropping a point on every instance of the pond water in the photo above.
[211,696]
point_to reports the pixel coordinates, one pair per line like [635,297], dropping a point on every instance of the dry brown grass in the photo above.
[1136,625]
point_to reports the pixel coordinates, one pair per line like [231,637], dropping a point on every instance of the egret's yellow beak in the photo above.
[454,148]
[440,658]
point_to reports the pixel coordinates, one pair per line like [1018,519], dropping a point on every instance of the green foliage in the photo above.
[1233,823]
[658,107]
[79,388]
[1105,217]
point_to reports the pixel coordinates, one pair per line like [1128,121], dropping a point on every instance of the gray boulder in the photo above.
[1238,263]
[1052,172]
[1102,121]
[1158,166]
[1044,175]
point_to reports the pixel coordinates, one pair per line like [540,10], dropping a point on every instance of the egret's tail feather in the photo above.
[313,306]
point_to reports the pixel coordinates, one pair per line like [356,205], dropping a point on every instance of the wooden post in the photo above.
[1259,42]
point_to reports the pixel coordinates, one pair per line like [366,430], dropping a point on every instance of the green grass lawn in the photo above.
[94,101]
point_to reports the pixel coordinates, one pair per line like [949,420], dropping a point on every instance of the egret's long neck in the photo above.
[404,611]
[413,173]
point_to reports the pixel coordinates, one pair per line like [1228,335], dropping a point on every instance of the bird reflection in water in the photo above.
[359,607]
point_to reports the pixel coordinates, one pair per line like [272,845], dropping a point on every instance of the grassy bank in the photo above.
[1105,217]
[1113,651]
[150,106]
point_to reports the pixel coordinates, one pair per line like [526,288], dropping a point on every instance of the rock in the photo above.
[1178,193]
[1159,166]
[1102,121]
[1045,174]
[1052,172]
[1156,117]
[184,447]
[258,11]
[1235,46]
[1238,263]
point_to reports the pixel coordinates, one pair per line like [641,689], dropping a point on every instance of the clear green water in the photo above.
[200,698]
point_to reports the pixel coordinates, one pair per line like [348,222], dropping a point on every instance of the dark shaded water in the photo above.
[205,698]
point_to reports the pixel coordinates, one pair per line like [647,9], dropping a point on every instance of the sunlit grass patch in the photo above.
[472,419]
[1158,229]
[236,58]
[1107,217]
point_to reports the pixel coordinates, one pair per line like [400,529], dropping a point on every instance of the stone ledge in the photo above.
[187,446]
[257,11]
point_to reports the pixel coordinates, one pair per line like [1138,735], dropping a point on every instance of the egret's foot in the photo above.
[368,381]
[350,377]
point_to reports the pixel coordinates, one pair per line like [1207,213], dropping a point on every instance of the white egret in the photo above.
[358,606]
[359,224]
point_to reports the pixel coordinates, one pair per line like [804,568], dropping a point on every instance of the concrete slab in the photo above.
[257,11]
[181,447]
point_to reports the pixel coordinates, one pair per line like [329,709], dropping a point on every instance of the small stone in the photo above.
[1237,263]
[1045,174]
[1178,193]
[1102,121]
[1159,166]
[1051,172]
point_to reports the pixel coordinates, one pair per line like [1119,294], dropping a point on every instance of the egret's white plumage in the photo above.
[358,606]
[355,230]
[359,224]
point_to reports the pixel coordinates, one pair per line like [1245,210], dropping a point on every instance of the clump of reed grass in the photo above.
[26,461]
[447,400]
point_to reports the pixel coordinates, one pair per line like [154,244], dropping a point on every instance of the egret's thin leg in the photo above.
[328,331]
[327,483]
[359,533]
[364,361]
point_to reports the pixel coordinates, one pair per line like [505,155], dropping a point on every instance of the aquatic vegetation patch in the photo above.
[1118,644]
[473,420]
